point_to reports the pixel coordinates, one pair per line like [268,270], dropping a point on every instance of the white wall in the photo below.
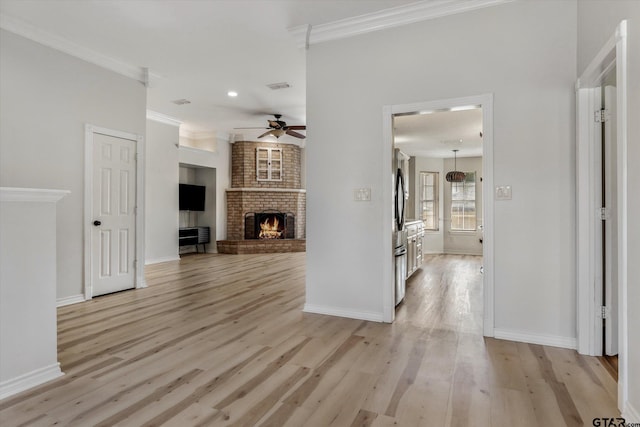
[597,21]
[531,71]
[463,242]
[433,242]
[220,160]
[46,98]
[161,193]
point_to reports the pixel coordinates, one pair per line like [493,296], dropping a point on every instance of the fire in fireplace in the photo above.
[269,225]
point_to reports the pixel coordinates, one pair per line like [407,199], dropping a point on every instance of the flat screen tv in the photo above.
[191,197]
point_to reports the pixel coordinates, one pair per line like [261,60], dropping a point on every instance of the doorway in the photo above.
[484,104]
[602,249]
[114,211]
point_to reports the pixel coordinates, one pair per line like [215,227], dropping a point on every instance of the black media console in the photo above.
[193,236]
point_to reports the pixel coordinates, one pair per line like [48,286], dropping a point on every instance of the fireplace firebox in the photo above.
[269,225]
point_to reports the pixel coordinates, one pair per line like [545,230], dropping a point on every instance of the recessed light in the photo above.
[181,101]
[465,107]
[232,94]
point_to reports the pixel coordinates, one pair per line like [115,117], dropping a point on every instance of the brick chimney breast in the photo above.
[249,194]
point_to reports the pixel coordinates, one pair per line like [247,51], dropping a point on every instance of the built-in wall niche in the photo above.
[202,177]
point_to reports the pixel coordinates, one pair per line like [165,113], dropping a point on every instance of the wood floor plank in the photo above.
[221,340]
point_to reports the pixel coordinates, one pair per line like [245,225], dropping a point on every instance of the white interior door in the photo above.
[611,224]
[113,246]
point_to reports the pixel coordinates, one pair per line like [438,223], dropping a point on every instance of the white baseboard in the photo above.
[30,379]
[163,259]
[630,414]
[332,311]
[73,299]
[533,338]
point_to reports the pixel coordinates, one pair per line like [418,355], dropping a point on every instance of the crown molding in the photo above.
[163,118]
[306,35]
[21,28]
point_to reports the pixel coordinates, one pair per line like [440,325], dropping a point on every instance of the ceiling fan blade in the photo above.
[261,127]
[269,132]
[297,127]
[294,133]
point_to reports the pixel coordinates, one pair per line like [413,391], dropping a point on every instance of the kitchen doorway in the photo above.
[457,219]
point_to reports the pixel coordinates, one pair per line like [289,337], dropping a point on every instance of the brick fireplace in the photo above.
[265,185]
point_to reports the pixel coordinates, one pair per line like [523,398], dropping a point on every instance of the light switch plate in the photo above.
[503,192]
[362,194]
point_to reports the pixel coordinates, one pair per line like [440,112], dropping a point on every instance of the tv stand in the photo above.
[193,236]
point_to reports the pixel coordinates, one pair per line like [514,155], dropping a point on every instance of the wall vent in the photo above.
[181,101]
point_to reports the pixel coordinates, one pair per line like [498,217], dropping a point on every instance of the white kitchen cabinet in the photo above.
[415,236]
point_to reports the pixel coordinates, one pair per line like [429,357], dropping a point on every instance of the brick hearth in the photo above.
[247,194]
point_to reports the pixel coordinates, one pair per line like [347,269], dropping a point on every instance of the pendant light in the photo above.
[455,175]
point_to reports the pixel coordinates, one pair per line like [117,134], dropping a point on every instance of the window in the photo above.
[429,200]
[269,164]
[463,204]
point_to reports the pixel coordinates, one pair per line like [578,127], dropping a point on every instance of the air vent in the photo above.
[181,101]
[276,86]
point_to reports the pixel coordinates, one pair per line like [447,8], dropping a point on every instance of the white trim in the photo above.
[140,211]
[90,130]
[21,28]
[589,332]
[486,102]
[351,314]
[622,143]
[533,338]
[630,414]
[388,172]
[163,118]
[30,379]
[305,35]
[163,259]
[13,194]
[196,150]
[73,299]
[268,190]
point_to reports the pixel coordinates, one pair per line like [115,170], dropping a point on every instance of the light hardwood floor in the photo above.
[222,340]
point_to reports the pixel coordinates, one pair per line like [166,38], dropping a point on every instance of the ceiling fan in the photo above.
[278,128]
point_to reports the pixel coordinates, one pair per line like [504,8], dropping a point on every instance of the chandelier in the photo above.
[455,175]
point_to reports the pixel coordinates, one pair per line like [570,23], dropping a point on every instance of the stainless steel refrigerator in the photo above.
[400,196]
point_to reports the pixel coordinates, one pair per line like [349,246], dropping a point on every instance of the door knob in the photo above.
[97,223]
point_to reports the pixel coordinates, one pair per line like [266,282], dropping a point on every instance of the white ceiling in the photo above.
[436,134]
[200,49]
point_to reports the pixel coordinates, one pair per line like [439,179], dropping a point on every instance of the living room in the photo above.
[48,97]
